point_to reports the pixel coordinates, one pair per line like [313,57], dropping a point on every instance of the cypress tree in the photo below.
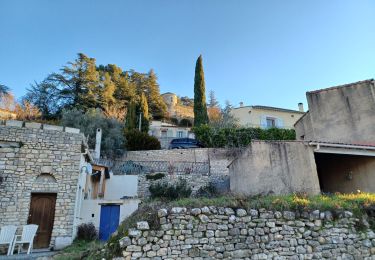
[143,108]
[131,116]
[200,107]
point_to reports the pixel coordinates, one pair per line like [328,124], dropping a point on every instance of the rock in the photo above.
[196,211]
[241,212]
[178,210]
[125,241]
[162,213]
[143,225]
[289,215]
[134,232]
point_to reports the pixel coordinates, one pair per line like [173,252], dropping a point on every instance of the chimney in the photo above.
[241,104]
[98,141]
[300,107]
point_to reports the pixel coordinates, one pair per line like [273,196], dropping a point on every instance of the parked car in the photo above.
[184,143]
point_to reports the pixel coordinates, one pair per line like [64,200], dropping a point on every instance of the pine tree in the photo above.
[4,90]
[200,107]
[143,109]
[131,116]
[213,101]
[108,91]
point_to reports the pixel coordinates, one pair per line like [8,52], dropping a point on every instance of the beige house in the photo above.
[165,132]
[267,117]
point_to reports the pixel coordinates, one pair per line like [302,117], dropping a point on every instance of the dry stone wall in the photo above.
[36,158]
[226,233]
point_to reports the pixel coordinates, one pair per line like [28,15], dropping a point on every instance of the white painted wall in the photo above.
[91,210]
[117,186]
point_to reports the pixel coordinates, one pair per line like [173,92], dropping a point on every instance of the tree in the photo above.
[27,111]
[143,111]
[131,116]
[213,101]
[78,83]
[45,96]
[200,107]
[4,90]
[113,140]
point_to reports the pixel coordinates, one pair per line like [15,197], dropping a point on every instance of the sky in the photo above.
[260,52]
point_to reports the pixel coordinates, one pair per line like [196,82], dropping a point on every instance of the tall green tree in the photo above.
[143,110]
[78,83]
[200,106]
[131,116]
[46,97]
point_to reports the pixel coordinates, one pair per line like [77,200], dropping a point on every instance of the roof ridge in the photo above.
[340,86]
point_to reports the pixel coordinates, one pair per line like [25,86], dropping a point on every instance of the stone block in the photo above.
[53,127]
[72,130]
[15,123]
[33,125]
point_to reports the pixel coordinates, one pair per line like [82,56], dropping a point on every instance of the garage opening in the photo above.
[345,173]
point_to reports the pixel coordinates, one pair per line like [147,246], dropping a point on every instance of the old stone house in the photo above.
[39,170]
[334,151]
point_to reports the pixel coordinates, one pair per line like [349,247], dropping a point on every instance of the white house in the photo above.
[105,199]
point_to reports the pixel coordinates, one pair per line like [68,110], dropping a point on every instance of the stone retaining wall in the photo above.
[225,233]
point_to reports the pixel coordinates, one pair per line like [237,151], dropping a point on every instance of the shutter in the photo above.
[263,121]
[279,123]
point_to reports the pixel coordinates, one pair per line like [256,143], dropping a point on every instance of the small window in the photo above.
[180,134]
[271,122]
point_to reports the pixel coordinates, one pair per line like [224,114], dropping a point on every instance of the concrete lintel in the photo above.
[72,130]
[53,127]
[33,125]
[345,151]
[14,123]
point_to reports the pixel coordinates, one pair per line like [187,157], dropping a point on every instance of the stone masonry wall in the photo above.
[46,161]
[218,160]
[225,233]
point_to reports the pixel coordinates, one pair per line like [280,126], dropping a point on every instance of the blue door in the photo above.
[109,220]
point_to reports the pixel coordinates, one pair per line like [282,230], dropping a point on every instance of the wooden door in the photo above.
[42,213]
[109,221]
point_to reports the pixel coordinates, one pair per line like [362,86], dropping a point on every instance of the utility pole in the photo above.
[140,122]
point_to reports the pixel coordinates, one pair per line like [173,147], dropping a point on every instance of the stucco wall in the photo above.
[253,119]
[90,212]
[341,114]
[276,168]
[345,173]
[52,152]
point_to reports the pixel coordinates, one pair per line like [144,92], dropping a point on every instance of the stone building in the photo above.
[39,170]
[175,109]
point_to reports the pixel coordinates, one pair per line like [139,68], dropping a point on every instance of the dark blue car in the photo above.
[184,143]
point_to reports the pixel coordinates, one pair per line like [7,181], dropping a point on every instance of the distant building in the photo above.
[165,132]
[267,117]
[7,114]
[176,110]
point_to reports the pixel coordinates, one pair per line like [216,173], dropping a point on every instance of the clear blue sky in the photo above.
[259,52]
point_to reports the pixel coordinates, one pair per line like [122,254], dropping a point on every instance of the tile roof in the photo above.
[341,86]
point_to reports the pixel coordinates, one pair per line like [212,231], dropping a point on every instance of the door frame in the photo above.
[54,194]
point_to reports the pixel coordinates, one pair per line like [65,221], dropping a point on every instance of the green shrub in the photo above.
[208,191]
[239,137]
[138,141]
[87,232]
[170,192]
[156,176]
